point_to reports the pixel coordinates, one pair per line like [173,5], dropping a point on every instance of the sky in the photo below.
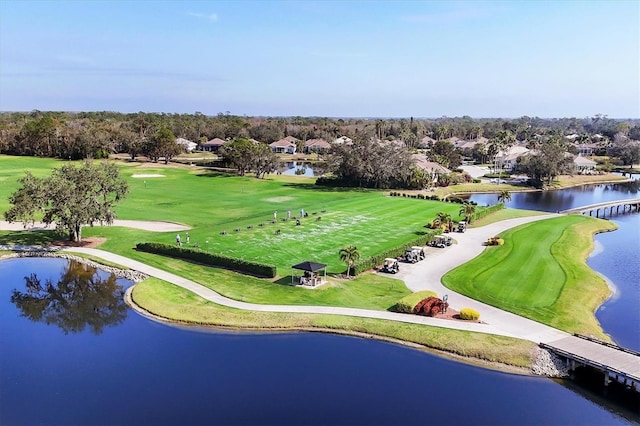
[323,58]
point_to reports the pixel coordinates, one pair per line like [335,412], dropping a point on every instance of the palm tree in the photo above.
[349,255]
[504,196]
[501,144]
[467,210]
[445,219]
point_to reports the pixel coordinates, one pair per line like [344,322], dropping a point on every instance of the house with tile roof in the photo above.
[213,145]
[316,146]
[287,145]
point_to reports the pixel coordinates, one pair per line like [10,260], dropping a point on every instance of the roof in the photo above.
[583,161]
[309,266]
[317,143]
[343,139]
[214,142]
[288,141]
[423,163]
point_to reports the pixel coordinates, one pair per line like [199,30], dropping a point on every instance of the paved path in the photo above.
[420,276]
[427,275]
[154,226]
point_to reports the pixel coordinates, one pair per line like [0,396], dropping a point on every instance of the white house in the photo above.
[583,164]
[186,144]
[285,146]
[343,140]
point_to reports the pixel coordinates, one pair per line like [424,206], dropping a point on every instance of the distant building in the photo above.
[583,164]
[287,145]
[316,146]
[187,145]
[422,162]
[213,145]
[343,140]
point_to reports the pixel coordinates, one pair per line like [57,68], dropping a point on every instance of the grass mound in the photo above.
[407,303]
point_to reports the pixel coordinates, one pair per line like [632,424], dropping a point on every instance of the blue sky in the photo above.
[323,58]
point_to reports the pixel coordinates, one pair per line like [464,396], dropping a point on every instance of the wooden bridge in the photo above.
[617,363]
[627,206]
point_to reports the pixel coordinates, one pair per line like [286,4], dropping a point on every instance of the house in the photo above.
[343,140]
[426,142]
[586,149]
[186,144]
[287,145]
[422,162]
[583,164]
[316,145]
[213,145]
[509,158]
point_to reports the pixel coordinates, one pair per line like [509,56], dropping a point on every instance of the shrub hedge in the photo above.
[372,262]
[469,314]
[196,255]
[409,302]
[486,211]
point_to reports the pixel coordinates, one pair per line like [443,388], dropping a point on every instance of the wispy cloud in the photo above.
[211,17]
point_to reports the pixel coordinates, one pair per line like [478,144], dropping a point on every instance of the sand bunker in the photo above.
[278,199]
[146,176]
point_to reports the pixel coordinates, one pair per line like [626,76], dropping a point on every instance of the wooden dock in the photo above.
[617,363]
[627,206]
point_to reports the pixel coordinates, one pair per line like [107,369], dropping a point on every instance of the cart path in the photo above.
[145,225]
[420,276]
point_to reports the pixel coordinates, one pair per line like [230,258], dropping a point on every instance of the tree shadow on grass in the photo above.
[322,188]
[216,173]
[30,238]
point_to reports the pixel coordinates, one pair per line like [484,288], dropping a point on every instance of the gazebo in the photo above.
[310,276]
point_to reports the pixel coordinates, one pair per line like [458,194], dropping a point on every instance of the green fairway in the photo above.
[540,273]
[212,203]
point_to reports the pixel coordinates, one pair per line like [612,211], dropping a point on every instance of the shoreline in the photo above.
[476,362]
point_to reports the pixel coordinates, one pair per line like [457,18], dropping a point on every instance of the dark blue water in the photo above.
[139,372]
[616,254]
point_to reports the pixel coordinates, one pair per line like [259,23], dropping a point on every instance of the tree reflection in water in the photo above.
[81,298]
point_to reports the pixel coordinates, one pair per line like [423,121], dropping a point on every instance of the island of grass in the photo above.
[540,273]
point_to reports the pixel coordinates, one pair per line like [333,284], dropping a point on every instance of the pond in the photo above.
[113,367]
[300,168]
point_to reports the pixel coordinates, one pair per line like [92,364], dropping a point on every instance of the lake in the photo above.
[89,359]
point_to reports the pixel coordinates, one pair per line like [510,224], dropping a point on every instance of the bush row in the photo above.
[372,262]
[469,314]
[487,211]
[451,199]
[409,302]
[212,259]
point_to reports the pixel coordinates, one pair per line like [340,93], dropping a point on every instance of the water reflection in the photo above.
[80,298]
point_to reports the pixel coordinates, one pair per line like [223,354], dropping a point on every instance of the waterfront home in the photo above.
[316,146]
[287,145]
[584,165]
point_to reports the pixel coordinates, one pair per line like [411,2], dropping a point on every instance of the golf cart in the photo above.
[412,255]
[390,266]
[420,250]
[441,241]
[462,226]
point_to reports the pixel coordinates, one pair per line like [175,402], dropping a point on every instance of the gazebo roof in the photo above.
[309,266]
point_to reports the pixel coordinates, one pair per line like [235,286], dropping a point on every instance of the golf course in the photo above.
[232,216]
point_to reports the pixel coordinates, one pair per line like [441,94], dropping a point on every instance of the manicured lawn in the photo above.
[212,202]
[540,273]
[505,214]
[181,305]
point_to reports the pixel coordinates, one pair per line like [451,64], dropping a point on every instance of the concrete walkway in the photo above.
[425,275]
